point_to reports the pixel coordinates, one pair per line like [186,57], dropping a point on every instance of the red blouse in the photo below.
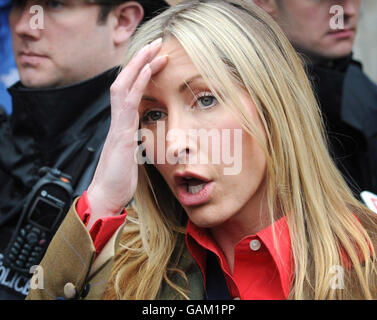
[103,228]
[261,270]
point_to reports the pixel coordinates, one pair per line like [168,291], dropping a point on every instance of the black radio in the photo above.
[45,208]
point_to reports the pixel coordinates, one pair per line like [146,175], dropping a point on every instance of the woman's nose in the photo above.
[180,147]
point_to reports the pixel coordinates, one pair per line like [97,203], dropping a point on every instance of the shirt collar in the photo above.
[199,240]
[281,252]
[50,111]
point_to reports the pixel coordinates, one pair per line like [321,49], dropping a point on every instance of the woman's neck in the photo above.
[229,234]
[252,218]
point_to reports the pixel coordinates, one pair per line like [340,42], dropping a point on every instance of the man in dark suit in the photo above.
[68,54]
[323,33]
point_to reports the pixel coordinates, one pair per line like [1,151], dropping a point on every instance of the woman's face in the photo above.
[218,183]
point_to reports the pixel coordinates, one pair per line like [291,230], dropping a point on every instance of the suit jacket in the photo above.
[61,128]
[348,102]
[69,270]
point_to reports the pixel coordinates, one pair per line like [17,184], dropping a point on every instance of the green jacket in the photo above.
[69,270]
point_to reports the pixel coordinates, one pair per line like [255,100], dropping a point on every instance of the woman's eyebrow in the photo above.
[186,84]
[148,98]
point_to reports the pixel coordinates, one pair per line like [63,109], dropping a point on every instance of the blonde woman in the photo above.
[283,226]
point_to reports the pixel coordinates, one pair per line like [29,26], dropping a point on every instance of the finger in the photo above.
[123,84]
[134,97]
[129,74]
[132,101]
[158,64]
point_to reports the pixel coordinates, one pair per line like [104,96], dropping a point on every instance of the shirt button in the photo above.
[69,290]
[255,245]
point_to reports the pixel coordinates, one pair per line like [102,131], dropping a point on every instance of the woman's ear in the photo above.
[126,16]
[269,6]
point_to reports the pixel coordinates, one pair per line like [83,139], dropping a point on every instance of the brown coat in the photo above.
[71,272]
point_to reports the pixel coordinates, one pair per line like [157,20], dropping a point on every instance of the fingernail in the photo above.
[156,42]
[144,49]
[146,67]
[165,56]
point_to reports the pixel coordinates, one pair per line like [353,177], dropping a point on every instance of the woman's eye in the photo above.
[54,4]
[152,116]
[206,101]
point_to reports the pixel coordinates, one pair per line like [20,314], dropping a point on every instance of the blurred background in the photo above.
[365,47]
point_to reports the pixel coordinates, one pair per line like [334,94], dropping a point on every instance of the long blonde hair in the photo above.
[234,44]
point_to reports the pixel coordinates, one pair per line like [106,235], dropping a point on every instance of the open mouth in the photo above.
[193,191]
[194,185]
